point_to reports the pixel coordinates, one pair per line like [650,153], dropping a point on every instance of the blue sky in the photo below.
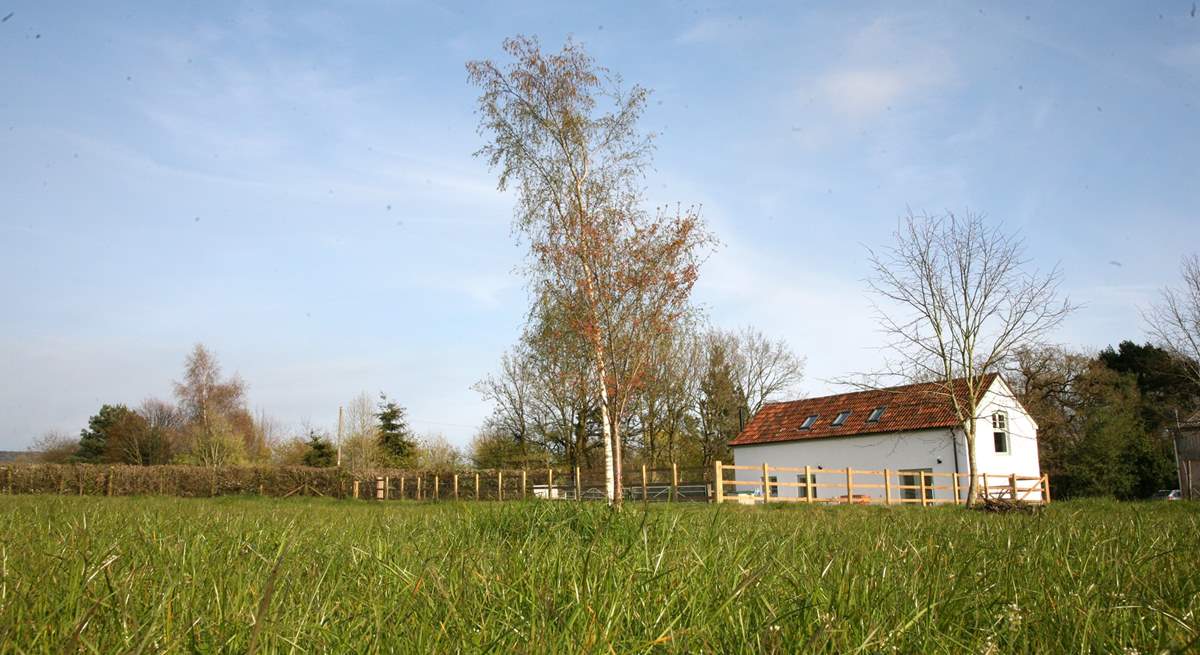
[294,185]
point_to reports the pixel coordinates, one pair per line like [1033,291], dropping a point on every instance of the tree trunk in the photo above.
[972,486]
[606,421]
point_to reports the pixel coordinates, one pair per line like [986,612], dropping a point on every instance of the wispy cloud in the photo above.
[719,29]
[882,68]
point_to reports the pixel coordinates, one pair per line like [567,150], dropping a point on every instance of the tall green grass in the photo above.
[304,575]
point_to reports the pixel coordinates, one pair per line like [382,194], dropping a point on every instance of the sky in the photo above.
[294,185]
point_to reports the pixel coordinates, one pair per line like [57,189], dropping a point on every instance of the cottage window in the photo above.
[841,418]
[1000,432]
[910,483]
[808,422]
[802,490]
[875,415]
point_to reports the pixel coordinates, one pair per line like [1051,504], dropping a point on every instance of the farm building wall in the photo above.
[933,450]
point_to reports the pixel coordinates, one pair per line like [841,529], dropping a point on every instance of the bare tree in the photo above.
[959,303]
[219,428]
[765,368]
[360,439]
[54,447]
[1174,321]
[621,275]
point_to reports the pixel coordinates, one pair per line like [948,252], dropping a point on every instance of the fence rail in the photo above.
[719,483]
[886,486]
[672,484]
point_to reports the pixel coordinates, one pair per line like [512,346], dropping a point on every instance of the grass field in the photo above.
[245,574]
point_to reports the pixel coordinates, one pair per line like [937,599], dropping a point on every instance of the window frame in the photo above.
[809,421]
[1000,432]
[841,418]
[912,478]
[876,414]
[802,485]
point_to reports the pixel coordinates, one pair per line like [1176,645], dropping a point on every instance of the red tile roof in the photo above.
[910,407]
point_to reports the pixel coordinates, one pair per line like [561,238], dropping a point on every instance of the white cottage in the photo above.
[910,429]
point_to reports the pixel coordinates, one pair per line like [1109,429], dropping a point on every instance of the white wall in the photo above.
[905,450]
[931,449]
[1022,458]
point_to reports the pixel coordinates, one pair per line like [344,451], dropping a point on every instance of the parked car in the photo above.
[1168,494]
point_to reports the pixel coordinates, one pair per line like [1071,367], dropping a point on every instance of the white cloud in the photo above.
[723,29]
[883,67]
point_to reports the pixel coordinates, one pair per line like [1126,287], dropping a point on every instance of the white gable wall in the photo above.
[924,449]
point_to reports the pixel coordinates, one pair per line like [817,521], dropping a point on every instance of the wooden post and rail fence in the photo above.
[719,483]
[869,486]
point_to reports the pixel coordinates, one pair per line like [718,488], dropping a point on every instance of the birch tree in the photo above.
[563,132]
[1174,321]
[959,299]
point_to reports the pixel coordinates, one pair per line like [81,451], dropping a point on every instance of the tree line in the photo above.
[209,424]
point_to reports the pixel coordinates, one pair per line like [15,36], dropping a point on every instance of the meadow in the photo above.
[246,575]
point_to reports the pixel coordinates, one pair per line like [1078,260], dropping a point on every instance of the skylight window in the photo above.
[808,422]
[841,418]
[875,415]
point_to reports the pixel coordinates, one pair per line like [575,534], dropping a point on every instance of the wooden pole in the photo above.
[477,485]
[402,487]
[887,486]
[674,482]
[420,487]
[849,485]
[455,486]
[924,501]
[956,491]
[549,484]
[766,484]
[356,489]
[499,485]
[387,487]
[719,482]
[1046,489]
[523,484]
[436,486]
[578,485]
[645,498]
[1012,486]
[808,485]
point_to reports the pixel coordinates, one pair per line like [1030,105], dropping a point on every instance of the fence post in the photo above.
[985,486]
[456,486]
[499,485]
[954,477]
[578,485]
[523,477]
[766,484]
[436,485]
[379,487]
[356,489]
[808,484]
[421,487]
[719,493]
[849,485]
[402,487]
[476,485]
[674,482]
[387,487]
[1046,489]
[645,498]
[924,501]
[550,484]
[1012,486]
[887,486]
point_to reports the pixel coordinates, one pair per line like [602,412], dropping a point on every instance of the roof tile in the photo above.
[910,407]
